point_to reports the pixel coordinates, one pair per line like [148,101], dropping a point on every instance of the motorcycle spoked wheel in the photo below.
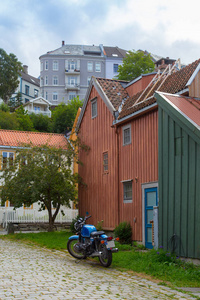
[71,247]
[106,256]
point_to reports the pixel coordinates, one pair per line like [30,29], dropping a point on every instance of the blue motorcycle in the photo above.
[91,243]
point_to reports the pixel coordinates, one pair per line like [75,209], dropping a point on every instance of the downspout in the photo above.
[118,202]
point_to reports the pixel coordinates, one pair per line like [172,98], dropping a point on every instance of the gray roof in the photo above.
[77,50]
[31,79]
[114,52]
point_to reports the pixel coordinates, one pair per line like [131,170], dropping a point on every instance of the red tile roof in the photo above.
[114,90]
[14,138]
[174,83]
[190,107]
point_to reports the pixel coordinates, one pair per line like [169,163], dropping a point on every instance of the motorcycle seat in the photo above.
[96,233]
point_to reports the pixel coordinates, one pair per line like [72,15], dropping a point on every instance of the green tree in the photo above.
[41,122]
[45,177]
[134,64]
[64,115]
[24,120]
[8,120]
[10,69]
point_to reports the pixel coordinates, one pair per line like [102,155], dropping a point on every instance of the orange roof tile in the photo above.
[14,138]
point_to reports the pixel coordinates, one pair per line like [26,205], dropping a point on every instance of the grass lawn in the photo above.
[158,264]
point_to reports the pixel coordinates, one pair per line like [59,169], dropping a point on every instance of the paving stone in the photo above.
[29,272]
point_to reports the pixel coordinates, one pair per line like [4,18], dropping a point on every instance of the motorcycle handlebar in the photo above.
[86,218]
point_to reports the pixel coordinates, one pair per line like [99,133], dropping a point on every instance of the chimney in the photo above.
[25,67]
[63,43]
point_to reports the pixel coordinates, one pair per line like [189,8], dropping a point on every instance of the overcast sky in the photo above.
[30,28]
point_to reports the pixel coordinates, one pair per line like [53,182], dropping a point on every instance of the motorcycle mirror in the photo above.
[87,213]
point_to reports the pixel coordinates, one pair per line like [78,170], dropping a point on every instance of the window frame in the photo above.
[127,183]
[105,162]
[46,80]
[96,70]
[46,65]
[55,94]
[114,68]
[55,79]
[88,68]
[27,90]
[7,159]
[124,128]
[93,102]
[55,65]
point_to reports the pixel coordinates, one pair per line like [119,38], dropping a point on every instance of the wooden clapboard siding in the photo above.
[99,198]
[138,162]
[179,188]
[140,84]
[194,88]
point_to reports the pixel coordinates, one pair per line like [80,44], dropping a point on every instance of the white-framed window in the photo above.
[41,81]
[46,95]
[127,186]
[88,80]
[72,80]
[55,65]
[7,159]
[72,65]
[94,108]
[41,66]
[55,96]
[90,66]
[46,80]
[97,67]
[55,80]
[72,95]
[36,108]
[126,134]
[46,64]
[115,68]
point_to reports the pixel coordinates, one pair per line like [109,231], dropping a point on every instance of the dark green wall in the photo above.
[179,186]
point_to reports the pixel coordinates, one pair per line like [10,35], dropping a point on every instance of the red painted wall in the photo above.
[139,85]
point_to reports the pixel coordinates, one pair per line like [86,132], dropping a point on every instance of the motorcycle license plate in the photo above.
[110,244]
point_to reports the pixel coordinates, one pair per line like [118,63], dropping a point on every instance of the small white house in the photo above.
[38,106]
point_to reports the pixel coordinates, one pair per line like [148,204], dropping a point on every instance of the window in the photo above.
[127,135]
[105,162]
[98,67]
[72,80]
[46,65]
[55,96]
[46,95]
[72,95]
[36,93]
[94,108]
[90,66]
[88,80]
[115,68]
[127,185]
[26,100]
[55,80]
[46,80]
[8,158]
[27,90]
[36,108]
[41,81]
[55,65]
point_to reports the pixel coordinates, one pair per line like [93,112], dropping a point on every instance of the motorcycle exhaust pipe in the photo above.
[96,254]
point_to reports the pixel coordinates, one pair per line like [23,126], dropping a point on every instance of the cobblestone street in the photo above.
[28,272]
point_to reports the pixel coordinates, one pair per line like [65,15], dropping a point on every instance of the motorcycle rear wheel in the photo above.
[106,256]
[71,244]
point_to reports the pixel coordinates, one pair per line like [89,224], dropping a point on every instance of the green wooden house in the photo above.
[179,174]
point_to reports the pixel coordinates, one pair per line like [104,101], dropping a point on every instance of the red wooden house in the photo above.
[121,168]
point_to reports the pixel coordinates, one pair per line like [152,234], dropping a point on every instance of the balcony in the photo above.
[37,112]
[72,86]
[72,71]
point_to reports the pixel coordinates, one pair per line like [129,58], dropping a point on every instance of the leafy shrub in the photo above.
[124,232]
[72,229]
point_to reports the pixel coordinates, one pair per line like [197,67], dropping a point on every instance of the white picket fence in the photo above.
[8,215]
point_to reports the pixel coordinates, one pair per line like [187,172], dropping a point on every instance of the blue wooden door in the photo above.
[151,200]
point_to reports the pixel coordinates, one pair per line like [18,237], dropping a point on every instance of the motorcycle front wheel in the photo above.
[106,257]
[72,247]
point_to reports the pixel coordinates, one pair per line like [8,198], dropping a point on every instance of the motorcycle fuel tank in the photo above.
[87,229]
